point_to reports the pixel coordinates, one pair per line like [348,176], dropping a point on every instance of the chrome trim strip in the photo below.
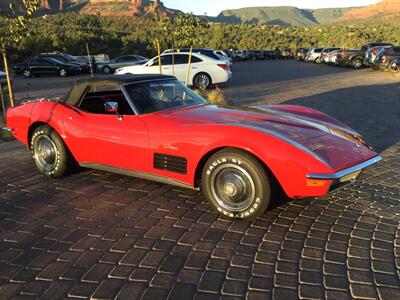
[138,174]
[8,129]
[345,172]
[129,100]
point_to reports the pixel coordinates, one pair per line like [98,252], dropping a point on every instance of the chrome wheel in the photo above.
[202,81]
[45,153]
[357,64]
[107,70]
[27,73]
[232,187]
[63,73]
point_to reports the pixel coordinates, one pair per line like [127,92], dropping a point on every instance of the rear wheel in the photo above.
[236,185]
[202,81]
[49,152]
[357,63]
[318,60]
[395,68]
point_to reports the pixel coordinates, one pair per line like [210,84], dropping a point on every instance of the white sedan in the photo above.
[204,71]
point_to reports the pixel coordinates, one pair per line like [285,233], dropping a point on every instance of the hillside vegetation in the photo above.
[284,15]
[126,35]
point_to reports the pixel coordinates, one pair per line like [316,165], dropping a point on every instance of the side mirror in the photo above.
[150,63]
[112,107]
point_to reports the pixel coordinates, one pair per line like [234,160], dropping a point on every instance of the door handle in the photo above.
[195,67]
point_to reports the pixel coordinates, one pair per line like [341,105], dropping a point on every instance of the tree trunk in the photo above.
[10,89]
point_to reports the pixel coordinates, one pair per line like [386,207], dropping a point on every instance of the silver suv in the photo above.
[314,55]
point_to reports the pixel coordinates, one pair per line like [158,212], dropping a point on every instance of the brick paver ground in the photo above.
[103,236]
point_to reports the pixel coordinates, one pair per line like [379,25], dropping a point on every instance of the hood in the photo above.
[331,142]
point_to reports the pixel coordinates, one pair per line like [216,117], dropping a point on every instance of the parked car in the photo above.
[155,128]
[372,54]
[285,54]
[207,52]
[270,54]
[241,55]
[3,78]
[256,55]
[325,53]
[204,72]
[41,66]
[333,57]
[224,54]
[368,46]
[119,62]
[386,58]
[67,59]
[395,67]
[355,58]
[301,53]
[314,55]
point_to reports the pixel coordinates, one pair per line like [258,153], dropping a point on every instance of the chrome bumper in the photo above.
[7,129]
[346,172]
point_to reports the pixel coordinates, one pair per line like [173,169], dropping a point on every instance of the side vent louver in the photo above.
[170,163]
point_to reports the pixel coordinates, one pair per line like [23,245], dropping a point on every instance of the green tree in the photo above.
[13,29]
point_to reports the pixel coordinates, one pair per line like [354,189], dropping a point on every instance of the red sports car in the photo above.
[153,127]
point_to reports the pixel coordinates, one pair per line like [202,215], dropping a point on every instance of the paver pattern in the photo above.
[103,236]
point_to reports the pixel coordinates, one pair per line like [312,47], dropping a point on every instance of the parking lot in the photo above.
[103,236]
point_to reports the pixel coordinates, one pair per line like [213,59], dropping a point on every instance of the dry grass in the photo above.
[215,96]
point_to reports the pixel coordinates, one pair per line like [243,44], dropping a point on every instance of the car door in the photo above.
[37,66]
[179,66]
[98,138]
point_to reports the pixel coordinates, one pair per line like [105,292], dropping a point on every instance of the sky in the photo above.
[214,7]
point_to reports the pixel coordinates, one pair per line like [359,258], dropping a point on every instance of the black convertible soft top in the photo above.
[81,86]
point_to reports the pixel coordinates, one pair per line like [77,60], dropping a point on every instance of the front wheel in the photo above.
[63,72]
[49,152]
[236,185]
[106,70]
[27,73]
[202,81]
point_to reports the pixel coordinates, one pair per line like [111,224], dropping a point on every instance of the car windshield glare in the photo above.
[149,97]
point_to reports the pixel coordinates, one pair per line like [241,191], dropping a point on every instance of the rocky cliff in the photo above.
[385,8]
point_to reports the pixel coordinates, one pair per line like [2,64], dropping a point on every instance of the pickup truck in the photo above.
[356,57]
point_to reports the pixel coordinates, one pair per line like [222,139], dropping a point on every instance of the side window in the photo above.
[181,59]
[130,58]
[96,97]
[195,60]
[166,60]
[45,62]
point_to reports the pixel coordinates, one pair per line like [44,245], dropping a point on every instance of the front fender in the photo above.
[289,162]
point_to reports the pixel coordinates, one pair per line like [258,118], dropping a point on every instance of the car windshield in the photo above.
[149,97]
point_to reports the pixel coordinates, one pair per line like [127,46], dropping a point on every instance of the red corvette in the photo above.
[153,127]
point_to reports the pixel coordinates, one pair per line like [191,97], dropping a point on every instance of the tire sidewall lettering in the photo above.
[37,134]
[233,215]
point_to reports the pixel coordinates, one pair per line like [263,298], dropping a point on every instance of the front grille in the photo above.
[170,163]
